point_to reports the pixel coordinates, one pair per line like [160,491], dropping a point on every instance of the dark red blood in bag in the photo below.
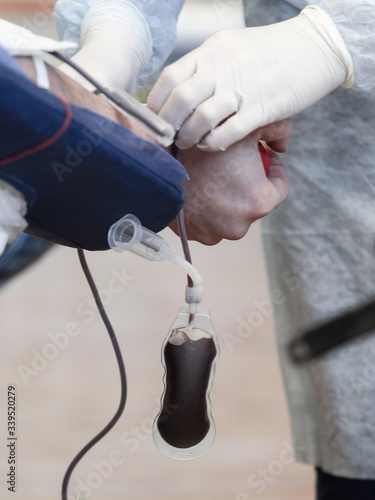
[183,421]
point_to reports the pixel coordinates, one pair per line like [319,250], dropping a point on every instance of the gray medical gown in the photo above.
[320,247]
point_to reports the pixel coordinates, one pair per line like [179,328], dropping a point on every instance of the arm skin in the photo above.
[228,190]
[63,86]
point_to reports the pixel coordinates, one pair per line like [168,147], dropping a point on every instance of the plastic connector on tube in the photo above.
[129,234]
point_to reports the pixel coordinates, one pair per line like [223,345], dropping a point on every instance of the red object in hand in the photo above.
[265,158]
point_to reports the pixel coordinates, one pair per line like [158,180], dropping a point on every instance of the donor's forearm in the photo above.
[63,86]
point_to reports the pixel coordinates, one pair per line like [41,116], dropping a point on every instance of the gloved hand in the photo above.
[229,190]
[115,45]
[240,80]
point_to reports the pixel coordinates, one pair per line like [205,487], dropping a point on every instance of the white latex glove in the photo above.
[115,45]
[240,80]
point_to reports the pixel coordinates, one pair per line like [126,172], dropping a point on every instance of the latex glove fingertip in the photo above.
[183,145]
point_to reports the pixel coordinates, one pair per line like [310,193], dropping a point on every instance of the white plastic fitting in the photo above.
[129,234]
[193,294]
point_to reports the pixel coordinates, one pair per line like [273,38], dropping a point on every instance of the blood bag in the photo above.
[184,427]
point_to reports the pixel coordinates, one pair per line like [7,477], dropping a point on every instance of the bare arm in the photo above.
[63,86]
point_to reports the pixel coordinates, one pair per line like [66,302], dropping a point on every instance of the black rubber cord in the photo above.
[121,366]
[85,75]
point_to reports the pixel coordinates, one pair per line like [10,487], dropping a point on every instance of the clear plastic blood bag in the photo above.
[184,427]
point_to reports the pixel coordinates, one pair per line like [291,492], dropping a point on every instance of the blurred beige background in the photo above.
[66,394]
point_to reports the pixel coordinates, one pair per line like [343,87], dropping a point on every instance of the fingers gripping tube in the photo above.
[184,427]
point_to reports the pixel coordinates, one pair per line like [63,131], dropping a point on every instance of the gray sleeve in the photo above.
[161,17]
[355,20]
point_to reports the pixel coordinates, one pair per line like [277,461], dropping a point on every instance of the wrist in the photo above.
[122,25]
[112,56]
[325,35]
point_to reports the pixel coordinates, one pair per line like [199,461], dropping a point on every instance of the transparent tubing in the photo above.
[128,234]
[184,427]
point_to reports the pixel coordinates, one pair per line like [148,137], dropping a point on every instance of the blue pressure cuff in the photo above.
[78,171]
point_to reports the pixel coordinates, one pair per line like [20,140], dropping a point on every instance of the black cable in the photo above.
[89,78]
[121,366]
